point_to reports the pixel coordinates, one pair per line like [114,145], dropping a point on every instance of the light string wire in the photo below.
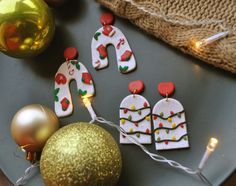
[174,18]
[27,175]
[180,20]
[155,157]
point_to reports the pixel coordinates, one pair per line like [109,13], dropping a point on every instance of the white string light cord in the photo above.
[181,20]
[27,175]
[155,157]
[175,18]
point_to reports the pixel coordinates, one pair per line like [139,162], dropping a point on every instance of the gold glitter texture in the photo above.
[81,154]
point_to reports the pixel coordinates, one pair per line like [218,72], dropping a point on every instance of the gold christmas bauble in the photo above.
[55,3]
[81,154]
[32,126]
[26,27]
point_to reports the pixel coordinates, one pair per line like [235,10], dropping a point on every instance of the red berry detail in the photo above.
[147,131]
[145,105]
[70,53]
[136,124]
[160,125]
[166,88]
[107,18]
[172,113]
[60,79]
[136,87]
[87,78]
[182,126]
[155,117]
[166,142]
[125,110]
[126,55]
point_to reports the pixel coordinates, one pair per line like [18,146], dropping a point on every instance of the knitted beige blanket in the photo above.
[182,23]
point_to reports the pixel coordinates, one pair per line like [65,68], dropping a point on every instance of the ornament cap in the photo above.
[70,53]
[136,87]
[107,18]
[166,88]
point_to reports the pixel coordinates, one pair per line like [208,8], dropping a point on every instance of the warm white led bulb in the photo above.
[198,44]
[212,144]
[86,102]
[210,148]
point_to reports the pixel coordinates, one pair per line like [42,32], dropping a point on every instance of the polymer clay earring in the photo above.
[106,35]
[70,70]
[170,129]
[135,115]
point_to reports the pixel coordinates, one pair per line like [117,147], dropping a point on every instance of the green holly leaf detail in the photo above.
[82,93]
[78,66]
[138,135]
[185,138]
[139,112]
[129,117]
[158,139]
[73,62]
[97,35]
[167,131]
[161,114]
[56,99]
[56,91]
[123,69]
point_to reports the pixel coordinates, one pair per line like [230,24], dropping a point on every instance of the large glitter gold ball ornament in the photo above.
[32,126]
[81,154]
[26,27]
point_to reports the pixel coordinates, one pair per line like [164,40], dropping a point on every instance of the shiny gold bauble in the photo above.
[32,126]
[55,3]
[81,154]
[26,27]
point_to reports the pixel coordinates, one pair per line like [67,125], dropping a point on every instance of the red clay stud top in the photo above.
[107,19]
[136,87]
[70,53]
[166,88]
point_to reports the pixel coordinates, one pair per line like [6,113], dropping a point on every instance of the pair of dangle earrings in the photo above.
[166,122]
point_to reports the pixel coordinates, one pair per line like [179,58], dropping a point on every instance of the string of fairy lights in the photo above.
[211,146]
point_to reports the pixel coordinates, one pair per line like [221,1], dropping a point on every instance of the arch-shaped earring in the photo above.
[68,71]
[168,115]
[135,115]
[106,35]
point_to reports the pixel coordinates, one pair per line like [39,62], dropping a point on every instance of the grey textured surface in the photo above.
[207,94]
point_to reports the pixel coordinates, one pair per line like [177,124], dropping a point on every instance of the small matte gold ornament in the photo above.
[26,27]
[81,154]
[32,126]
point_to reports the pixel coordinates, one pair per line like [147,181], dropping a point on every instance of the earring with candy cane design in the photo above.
[106,35]
[68,71]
